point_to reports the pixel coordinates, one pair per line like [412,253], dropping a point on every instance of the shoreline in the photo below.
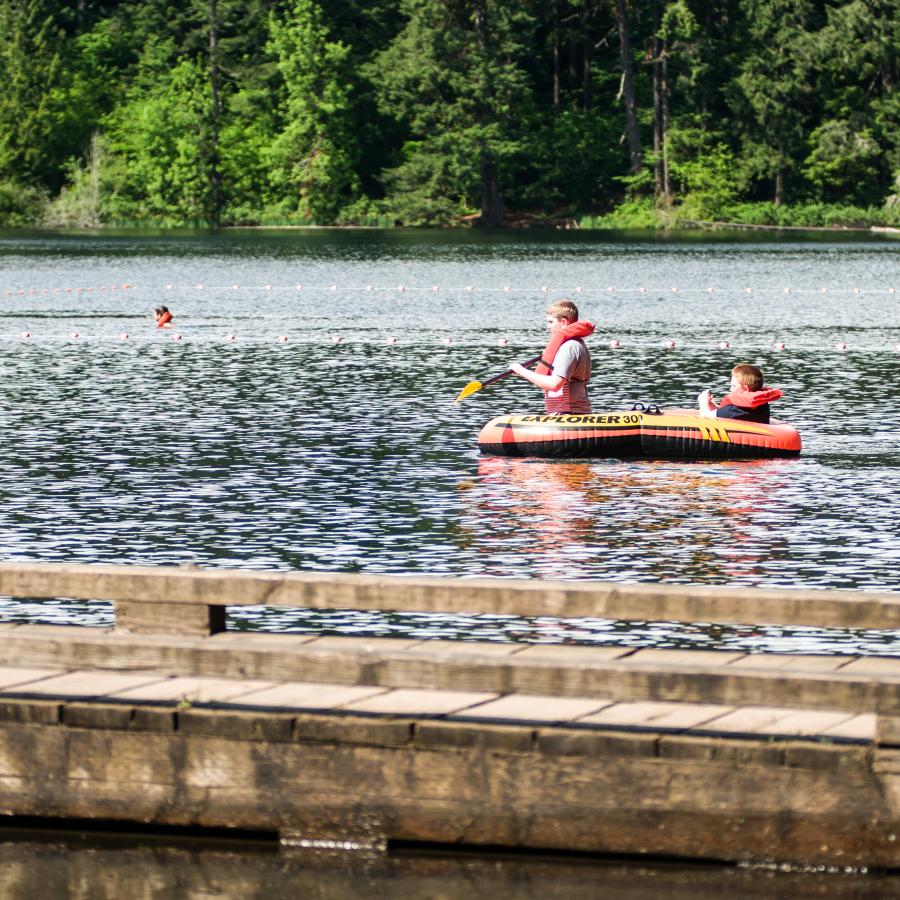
[686,228]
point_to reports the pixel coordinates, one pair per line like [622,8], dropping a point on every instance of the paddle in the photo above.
[474,386]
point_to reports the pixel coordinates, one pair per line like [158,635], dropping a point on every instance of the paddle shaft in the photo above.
[509,372]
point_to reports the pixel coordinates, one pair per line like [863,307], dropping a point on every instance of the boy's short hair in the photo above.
[750,377]
[563,309]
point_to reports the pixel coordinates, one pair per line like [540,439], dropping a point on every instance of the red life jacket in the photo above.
[164,319]
[557,339]
[751,399]
[561,401]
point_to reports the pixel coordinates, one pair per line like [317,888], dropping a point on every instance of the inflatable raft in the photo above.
[641,432]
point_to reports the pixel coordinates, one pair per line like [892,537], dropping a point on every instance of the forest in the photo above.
[582,113]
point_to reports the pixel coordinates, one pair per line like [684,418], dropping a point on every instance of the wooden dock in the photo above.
[343,743]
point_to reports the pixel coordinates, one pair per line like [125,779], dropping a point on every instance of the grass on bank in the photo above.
[646,214]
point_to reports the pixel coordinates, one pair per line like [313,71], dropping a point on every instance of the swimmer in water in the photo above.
[163,317]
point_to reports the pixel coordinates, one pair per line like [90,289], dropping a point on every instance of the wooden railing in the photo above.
[192,600]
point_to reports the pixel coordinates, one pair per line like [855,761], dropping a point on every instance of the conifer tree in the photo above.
[773,99]
[454,76]
[312,155]
[31,63]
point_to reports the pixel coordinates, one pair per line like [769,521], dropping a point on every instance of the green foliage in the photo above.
[570,159]
[437,112]
[892,203]
[631,214]
[707,183]
[20,204]
[811,215]
[162,135]
[433,186]
[32,67]
[454,77]
[844,161]
[311,158]
[772,93]
[78,203]
[364,212]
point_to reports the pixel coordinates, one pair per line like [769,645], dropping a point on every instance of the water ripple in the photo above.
[351,457]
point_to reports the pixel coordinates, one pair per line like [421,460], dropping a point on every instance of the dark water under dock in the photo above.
[59,865]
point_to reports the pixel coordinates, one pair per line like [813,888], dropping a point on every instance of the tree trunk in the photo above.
[779,177]
[664,90]
[479,21]
[631,124]
[657,105]
[586,76]
[555,40]
[491,202]
[215,175]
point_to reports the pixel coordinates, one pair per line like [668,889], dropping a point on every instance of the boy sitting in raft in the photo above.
[746,398]
[565,366]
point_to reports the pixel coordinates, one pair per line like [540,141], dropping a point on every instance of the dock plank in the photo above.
[783,721]
[85,684]
[9,676]
[533,708]
[306,695]
[559,652]
[873,665]
[192,690]
[637,713]
[190,586]
[665,657]
[860,728]
[747,719]
[473,648]
[381,644]
[807,723]
[419,702]
[788,663]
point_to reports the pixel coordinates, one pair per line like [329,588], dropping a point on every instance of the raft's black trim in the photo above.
[634,446]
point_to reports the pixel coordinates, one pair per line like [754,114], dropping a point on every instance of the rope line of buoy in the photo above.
[93,289]
[611,343]
[435,288]
[509,289]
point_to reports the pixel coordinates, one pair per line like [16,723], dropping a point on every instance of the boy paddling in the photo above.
[565,366]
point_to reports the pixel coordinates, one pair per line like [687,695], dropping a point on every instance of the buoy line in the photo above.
[611,343]
[334,287]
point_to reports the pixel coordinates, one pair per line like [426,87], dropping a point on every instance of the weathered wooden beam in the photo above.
[614,673]
[317,778]
[221,587]
[169,618]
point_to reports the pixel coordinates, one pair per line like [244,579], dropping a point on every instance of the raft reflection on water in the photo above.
[712,517]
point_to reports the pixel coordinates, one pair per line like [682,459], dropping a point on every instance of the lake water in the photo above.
[282,449]
[112,867]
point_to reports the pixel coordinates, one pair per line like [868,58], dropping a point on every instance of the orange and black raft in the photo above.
[641,432]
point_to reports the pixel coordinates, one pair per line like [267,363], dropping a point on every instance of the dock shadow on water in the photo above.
[56,867]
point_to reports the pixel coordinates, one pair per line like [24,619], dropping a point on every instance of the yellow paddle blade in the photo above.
[468,390]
